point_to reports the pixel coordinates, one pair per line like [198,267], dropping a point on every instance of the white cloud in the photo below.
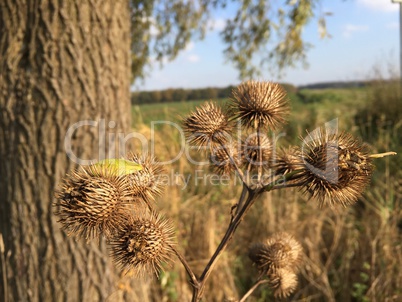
[379,5]
[350,29]
[193,58]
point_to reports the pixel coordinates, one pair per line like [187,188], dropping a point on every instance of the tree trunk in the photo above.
[61,62]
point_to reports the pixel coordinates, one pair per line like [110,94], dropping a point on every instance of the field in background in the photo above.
[351,254]
[145,114]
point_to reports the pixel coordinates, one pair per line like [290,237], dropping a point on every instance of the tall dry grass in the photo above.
[351,254]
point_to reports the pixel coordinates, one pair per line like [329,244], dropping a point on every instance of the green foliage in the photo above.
[179,95]
[160,29]
[380,120]
[168,280]
[310,96]
[383,109]
[360,288]
[120,166]
[256,24]
[161,112]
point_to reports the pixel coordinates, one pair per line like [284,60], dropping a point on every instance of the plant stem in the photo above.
[251,290]
[198,284]
[278,182]
[194,281]
[259,154]
[232,161]
[241,199]
[198,292]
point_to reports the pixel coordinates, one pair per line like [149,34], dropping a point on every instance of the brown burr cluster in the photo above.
[143,243]
[278,259]
[336,167]
[260,104]
[333,167]
[107,200]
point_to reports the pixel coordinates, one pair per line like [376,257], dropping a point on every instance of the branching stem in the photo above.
[190,273]
[259,153]
[252,289]
[242,198]
[253,194]
[281,182]
[244,204]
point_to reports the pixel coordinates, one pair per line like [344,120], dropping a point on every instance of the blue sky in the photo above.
[364,35]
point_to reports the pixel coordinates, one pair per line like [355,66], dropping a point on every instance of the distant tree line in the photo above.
[179,95]
[183,95]
[339,84]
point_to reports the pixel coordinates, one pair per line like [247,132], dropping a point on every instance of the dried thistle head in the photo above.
[336,167]
[143,244]
[145,183]
[260,104]
[220,159]
[208,125]
[283,281]
[93,201]
[254,144]
[288,160]
[277,252]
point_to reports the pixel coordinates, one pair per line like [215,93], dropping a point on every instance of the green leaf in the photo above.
[122,166]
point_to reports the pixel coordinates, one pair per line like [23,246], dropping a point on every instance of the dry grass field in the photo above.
[350,254]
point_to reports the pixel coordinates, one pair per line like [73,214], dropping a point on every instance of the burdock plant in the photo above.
[115,198]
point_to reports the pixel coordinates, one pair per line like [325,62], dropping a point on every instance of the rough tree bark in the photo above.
[61,62]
